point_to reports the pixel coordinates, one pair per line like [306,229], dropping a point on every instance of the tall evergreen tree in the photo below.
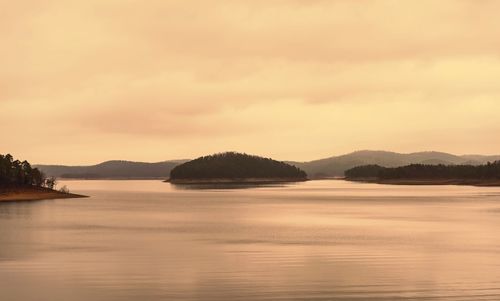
[17,173]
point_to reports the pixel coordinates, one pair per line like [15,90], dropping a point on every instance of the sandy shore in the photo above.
[34,194]
[467,182]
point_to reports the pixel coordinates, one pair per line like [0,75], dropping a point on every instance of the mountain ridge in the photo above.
[113,169]
[336,165]
[333,166]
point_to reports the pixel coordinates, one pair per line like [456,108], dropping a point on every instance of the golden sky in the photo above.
[87,81]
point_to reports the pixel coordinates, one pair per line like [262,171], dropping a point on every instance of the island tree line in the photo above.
[234,165]
[20,173]
[424,171]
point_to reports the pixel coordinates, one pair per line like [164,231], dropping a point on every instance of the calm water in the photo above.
[320,240]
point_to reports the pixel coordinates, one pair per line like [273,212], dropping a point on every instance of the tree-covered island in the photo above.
[422,174]
[232,167]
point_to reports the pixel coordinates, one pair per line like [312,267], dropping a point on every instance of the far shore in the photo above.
[110,179]
[34,194]
[235,181]
[462,182]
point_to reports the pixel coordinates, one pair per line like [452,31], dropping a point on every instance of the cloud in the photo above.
[300,78]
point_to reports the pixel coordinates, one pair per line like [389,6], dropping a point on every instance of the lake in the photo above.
[317,240]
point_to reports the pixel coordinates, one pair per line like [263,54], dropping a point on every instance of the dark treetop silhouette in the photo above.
[235,167]
[487,174]
[19,181]
[17,173]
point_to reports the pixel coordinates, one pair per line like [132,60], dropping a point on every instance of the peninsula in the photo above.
[232,167]
[422,174]
[20,182]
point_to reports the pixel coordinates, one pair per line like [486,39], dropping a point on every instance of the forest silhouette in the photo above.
[232,165]
[14,173]
[487,171]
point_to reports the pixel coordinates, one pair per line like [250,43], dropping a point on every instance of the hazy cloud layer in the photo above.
[86,81]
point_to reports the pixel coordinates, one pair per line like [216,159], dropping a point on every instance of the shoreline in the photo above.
[235,181]
[110,179]
[433,182]
[23,194]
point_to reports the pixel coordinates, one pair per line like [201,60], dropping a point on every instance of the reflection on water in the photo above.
[318,240]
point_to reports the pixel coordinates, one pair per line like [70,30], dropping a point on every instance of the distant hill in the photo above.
[113,170]
[329,167]
[336,166]
[235,167]
[481,158]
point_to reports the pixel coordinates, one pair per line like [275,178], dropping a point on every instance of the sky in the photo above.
[87,81]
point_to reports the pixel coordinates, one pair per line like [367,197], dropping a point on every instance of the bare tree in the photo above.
[50,182]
